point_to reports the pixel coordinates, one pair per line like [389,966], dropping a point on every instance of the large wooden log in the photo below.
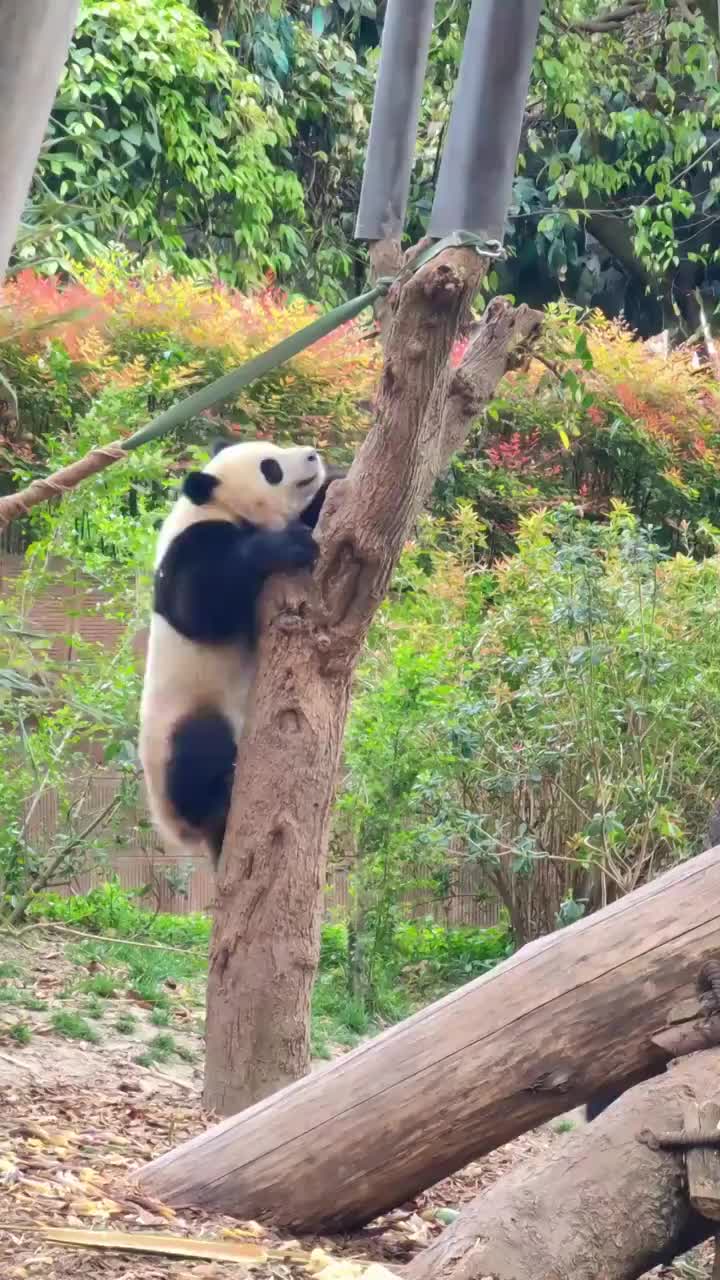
[602,1204]
[536,1036]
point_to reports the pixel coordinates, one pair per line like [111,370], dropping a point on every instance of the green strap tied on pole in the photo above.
[230,384]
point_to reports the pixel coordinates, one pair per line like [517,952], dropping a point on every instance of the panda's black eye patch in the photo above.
[199,487]
[271,470]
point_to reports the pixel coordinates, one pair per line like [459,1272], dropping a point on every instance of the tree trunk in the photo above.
[33,46]
[536,1036]
[265,942]
[603,1204]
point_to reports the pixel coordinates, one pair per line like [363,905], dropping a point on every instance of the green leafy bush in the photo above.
[113,911]
[449,957]
[158,138]
[421,961]
[552,721]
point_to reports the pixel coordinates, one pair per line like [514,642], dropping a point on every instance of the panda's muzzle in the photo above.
[313,460]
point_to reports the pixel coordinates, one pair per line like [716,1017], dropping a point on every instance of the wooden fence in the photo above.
[182,884]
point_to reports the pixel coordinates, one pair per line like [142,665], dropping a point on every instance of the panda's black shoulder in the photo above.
[198,547]
[190,586]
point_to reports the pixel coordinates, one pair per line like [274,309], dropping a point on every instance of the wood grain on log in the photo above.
[536,1036]
[698,1030]
[703,1163]
[602,1204]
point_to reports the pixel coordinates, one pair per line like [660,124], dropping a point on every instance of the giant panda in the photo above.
[249,513]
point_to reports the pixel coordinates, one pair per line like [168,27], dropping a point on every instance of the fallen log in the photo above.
[528,1041]
[604,1203]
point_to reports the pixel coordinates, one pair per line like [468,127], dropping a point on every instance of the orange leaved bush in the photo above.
[598,416]
[118,327]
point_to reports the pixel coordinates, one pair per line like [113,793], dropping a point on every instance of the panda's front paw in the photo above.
[302,549]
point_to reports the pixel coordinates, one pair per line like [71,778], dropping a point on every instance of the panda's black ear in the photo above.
[199,487]
[219,445]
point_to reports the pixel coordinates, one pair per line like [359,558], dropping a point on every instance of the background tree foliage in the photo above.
[237,143]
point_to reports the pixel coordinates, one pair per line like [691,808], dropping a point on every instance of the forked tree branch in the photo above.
[272,872]
[501,340]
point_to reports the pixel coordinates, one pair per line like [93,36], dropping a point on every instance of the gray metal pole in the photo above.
[478,165]
[391,146]
[34,41]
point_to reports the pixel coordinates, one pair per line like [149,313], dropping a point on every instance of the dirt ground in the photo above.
[79,1118]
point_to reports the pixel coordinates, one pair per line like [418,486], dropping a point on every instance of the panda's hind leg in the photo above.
[199,774]
[600,1103]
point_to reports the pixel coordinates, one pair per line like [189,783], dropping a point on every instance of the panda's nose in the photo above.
[312,457]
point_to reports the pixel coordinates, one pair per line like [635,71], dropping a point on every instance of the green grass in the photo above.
[22,998]
[126,1023]
[149,991]
[74,1027]
[320,1046]
[32,1003]
[113,911]
[423,961]
[101,985]
[20,1032]
[161,1048]
[94,1008]
[8,969]
[564,1125]
[337,1017]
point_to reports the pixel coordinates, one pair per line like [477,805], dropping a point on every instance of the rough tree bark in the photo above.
[268,910]
[34,40]
[539,1034]
[604,1204]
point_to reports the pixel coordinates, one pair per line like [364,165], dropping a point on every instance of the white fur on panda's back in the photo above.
[182,516]
[180,676]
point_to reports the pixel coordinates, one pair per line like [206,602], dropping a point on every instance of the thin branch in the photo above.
[709,340]
[42,880]
[15,505]
[386,259]
[50,926]
[610,21]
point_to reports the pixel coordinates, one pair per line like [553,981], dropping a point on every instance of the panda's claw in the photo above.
[302,549]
